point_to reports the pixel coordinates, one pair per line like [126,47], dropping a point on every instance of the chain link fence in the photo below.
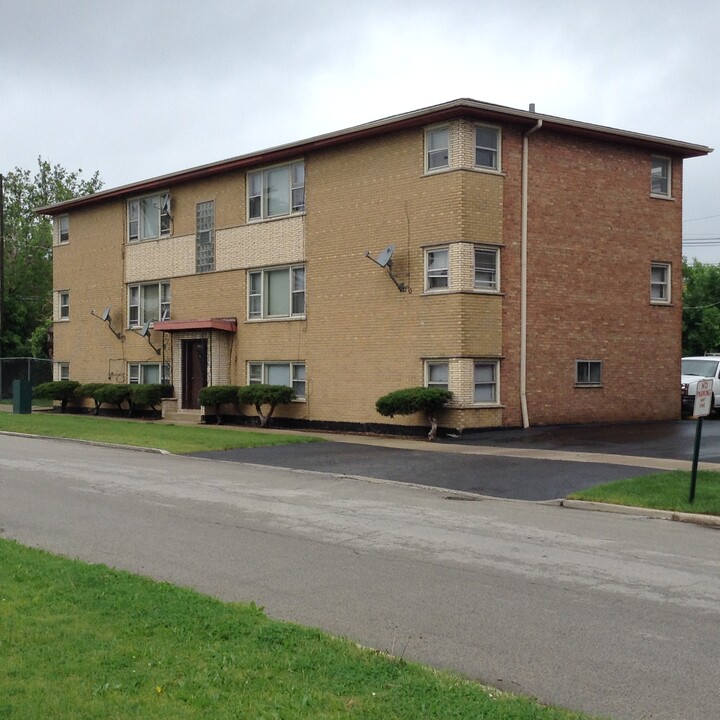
[36,370]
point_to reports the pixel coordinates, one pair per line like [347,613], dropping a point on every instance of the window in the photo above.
[437,374]
[291,374]
[64,305]
[276,292]
[149,373]
[148,303]
[485,378]
[486,268]
[205,237]
[660,176]
[436,269]
[62,371]
[63,229]
[437,148]
[588,372]
[660,283]
[149,217]
[487,145]
[276,191]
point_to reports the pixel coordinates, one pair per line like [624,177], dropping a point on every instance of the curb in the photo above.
[97,443]
[712,521]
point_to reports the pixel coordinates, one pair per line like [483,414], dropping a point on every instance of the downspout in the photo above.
[523,277]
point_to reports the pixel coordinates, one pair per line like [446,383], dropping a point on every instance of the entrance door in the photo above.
[194,368]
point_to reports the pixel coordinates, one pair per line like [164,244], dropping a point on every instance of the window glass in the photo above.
[486,269]
[485,382]
[276,191]
[438,148]
[64,228]
[437,269]
[660,176]
[660,283]
[151,303]
[277,292]
[486,147]
[278,374]
[150,213]
[438,374]
[588,372]
[299,380]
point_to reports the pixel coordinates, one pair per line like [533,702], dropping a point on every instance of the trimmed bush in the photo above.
[113,394]
[62,390]
[148,395]
[87,390]
[412,400]
[217,395]
[260,395]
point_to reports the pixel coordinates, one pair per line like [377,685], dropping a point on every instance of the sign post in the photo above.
[703,400]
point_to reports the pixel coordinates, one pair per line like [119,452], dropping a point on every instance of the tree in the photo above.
[701,308]
[409,401]
[27,296]
[260,395]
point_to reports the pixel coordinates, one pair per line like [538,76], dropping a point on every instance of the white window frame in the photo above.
[494,383]
[660,290]
[137,210]
[431,379]
[588,373]
[63,297]
[136,303]
[258,303]
[136,372]
[258,370]
[62,370]
[661,176]
[437,152]
[434,275]
[492,151]
[258,192]
[63,229]
[493,284]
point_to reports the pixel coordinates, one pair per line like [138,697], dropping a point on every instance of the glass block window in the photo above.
[205,237]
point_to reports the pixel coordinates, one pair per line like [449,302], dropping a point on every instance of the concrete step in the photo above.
[183,416]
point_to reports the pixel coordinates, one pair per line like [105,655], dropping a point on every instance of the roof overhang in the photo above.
[463,107]
[223,324]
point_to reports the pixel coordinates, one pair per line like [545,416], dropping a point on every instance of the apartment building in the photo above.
[528,263]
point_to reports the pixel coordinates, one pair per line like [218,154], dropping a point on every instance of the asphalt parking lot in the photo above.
[504,476]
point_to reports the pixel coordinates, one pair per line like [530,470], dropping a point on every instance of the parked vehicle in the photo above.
[699,368]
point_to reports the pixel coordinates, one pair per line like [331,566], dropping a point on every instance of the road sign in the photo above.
[703,398]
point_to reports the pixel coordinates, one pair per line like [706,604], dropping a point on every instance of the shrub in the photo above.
[62,390]
[260,395]
[217,395]
[411,400]
[113,394]
[88,390]
[148,395]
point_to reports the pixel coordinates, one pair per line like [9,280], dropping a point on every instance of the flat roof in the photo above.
[463,107]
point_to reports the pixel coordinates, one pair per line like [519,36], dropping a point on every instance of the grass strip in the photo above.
[661,491]
[173,438]
[83,642]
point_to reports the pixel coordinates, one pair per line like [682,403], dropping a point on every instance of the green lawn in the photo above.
[662,491]
[83,642]
[174,438]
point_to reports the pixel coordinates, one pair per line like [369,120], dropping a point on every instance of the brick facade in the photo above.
[593,230]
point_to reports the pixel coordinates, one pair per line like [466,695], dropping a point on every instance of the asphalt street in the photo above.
[611,614]
[538,475]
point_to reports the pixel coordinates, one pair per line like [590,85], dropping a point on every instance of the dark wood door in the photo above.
[194,360]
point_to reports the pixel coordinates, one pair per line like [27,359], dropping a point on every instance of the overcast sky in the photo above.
[140,88]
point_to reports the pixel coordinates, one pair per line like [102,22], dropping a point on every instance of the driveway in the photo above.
[543,463]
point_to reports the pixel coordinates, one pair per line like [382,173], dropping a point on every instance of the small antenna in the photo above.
[384,260]
[145,332]
[105,317]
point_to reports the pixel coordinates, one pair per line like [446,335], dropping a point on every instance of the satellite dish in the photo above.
[145,330]
[105,313]
[385,257]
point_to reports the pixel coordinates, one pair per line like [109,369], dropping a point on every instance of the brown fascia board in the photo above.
[463,107]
